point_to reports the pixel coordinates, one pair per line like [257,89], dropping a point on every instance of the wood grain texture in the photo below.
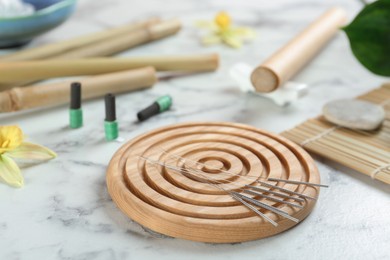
[367,152]
[177,205]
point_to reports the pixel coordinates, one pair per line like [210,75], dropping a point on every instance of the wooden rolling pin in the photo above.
[288,60]
[59,48]
[37,70]
[58,93]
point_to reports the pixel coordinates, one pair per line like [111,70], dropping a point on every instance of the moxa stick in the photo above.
[58,93]
[58,48]
[11,72]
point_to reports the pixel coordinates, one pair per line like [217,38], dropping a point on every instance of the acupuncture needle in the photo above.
[260,204]
[286,190]
[251,200]
[234,196]
[299,182]
[255,210]
[275,193]
[243,197]
[270,198]
[270,208]
[227,172]
[273,198]
[254,187]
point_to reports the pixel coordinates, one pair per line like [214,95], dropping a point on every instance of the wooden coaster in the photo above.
[177,205]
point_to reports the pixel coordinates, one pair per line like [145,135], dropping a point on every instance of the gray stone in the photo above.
[355,114]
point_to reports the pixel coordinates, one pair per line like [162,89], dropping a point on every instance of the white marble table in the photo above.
[64,211]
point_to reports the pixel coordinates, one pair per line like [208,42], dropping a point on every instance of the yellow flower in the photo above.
[10,138]
[222,20]
[13,146]
[223,32]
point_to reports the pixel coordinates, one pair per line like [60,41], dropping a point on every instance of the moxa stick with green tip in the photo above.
[110,123]
[75,112]
[160,105]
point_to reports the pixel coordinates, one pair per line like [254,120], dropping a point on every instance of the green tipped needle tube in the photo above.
[75,112]
[160,105]
[110,123]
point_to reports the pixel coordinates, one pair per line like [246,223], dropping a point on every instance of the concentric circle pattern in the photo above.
[185,195]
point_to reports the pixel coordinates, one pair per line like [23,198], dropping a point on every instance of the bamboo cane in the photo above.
[28,97]
[37,70]
[125,41]
[58,48]
[101,44]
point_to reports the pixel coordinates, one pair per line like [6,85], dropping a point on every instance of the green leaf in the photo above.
[369,37]
[32,151]
[10,172]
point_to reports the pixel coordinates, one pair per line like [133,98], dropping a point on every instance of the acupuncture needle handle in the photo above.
[292,57]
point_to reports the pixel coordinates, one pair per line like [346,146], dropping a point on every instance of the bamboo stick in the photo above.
[344,158]
[334,140]
[38,70]
[356,137]
[98,45]
[336,151]
[288,60]
[125,41]
[28,97]
[58,48]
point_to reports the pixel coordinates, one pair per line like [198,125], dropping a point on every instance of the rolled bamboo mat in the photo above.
[367,152]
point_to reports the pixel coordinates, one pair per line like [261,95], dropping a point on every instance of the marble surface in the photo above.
[64,210]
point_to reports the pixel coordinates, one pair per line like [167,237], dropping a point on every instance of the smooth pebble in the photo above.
[355,114]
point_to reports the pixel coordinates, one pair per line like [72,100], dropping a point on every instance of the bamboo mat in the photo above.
[365,151]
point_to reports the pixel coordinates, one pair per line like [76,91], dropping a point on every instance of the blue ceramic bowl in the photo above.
[17,31]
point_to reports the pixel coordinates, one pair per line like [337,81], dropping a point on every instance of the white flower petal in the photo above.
[233,41]
[206,25]
[211,39]
[10,172]
[32,151]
